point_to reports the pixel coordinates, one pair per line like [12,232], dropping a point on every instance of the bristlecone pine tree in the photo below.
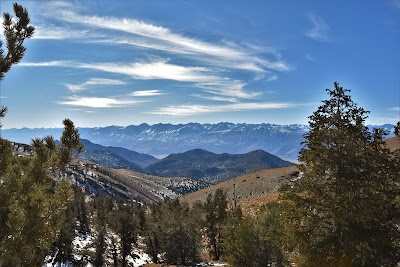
[343,209]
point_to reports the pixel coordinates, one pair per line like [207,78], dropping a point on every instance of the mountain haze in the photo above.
[160,140]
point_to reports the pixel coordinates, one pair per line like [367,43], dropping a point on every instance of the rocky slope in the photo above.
[115,157]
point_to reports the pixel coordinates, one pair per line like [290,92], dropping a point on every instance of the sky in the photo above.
[120,62]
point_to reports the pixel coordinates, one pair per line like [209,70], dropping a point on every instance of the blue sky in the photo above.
[116,62]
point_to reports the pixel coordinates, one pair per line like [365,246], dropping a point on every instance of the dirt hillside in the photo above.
[248,188]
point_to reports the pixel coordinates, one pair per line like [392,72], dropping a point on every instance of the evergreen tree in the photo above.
[103,207]
[31,208]
[124,225]
[340,210]
[215,209]
[255,242]
[173,229]
[153,232]
[15,32]
[141,212]
[180,233]
[70,142]
[397,129]
[6,156]
[82,213]
[63,244]
[100,245]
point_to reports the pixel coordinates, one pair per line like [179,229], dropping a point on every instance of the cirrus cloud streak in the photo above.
[93,81]
[150,36]
[206,79]
[190,110]
[146,93]
[96,102]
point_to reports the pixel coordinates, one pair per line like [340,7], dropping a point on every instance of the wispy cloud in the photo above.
[56,63]
[93,81]
[243,60]
[81,110]
[146,35]
[189,110]
[226,87]
[209,68]
[395,109]
[206,79]
[96,102]
[146,93]
[59,5]
[141,70]
[155,70]
[320,29]
[217,98]
[51,32]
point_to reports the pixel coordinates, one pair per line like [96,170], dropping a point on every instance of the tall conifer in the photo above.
[341,207]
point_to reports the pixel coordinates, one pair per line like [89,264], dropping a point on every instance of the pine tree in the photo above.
[6,156]
[152,232]
[100,245]
[215,209]
[31,208]
[340,210]
[15,32]
[124,224]
[180,233]
[66,235]
[82,213]
[255,241]
[70,142]
[104,206]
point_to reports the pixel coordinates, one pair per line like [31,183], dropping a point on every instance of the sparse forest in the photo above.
[344,210]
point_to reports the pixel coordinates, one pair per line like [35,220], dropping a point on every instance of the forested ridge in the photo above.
[344,210]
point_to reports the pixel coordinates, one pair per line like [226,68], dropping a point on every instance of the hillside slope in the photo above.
[255,189]
[129,184]
[115,157]
[393,143]
[250,186]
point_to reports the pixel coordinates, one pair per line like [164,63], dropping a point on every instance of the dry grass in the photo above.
[252,206]
[393,143]
[248,189]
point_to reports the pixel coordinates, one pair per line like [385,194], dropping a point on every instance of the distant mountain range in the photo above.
[196,164]
[160,140]
[203,165]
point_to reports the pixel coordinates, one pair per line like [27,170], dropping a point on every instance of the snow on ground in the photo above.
[83,246]
[140,259]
